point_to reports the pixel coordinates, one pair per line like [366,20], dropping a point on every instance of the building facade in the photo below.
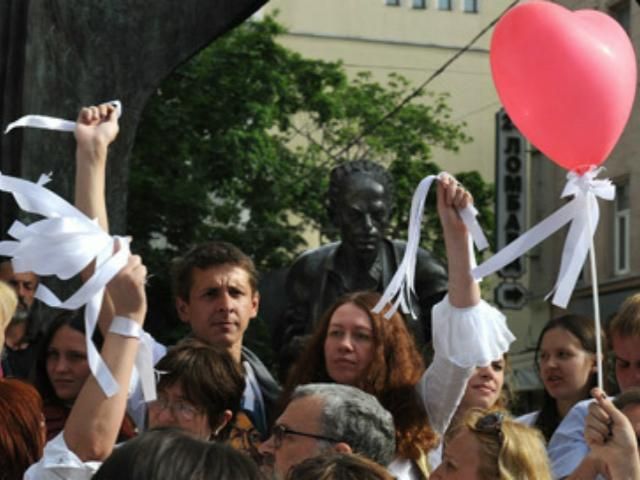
[415,38]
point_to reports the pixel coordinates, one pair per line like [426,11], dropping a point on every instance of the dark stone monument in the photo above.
[360,205]
[58,55]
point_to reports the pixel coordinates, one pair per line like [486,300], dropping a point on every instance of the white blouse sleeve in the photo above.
[59,462]
[463,339]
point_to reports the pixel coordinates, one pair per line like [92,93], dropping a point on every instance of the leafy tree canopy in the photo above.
[237,145]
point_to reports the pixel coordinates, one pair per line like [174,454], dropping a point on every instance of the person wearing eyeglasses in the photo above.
[323,418]
[491,446]
[353,345]
[199,389]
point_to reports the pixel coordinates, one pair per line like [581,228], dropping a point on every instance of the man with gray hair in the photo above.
[324,417]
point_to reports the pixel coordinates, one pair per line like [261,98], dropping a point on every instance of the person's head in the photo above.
[22,432]
[566,357]
[624,338]
[199,390]
[8,304]
[322,418]
[170,454]
[486,387]
[215,285]
[628,403]
[338,466]
[352,345]
[360,202]
[61,366]
[490,446]
[24,284]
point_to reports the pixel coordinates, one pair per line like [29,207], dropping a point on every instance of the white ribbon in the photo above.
[51,123]
[583,212]
[144,358]
[63,244]
[402,283]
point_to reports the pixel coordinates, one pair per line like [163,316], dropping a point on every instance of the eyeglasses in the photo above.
[179,409]
[280,431]
[491,424]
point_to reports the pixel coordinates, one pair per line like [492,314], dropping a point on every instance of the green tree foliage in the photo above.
[237,145]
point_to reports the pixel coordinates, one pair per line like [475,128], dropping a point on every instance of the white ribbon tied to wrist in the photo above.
[582,212]
[401,287]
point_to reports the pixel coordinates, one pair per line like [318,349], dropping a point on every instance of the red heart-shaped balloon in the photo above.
[566,79]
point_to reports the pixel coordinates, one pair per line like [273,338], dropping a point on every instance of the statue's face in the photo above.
[363,214]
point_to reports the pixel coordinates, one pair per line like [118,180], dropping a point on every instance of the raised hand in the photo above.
[127,291]
[96,127]
[610,435]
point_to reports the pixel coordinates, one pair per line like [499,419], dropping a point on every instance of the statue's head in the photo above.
[360,204]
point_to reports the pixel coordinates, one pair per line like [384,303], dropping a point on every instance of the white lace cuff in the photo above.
[471,336]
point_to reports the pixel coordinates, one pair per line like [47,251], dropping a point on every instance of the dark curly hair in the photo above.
[341,174]
[391,377]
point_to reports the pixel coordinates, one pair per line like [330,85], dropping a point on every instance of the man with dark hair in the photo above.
[328,417]
[215,283]
[25,329]
[360,202]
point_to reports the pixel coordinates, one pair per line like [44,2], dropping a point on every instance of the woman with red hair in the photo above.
[355,346]
[22,431]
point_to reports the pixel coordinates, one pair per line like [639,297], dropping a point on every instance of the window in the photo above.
[470,6]
[621,230]
[419,4]
[393,3]
[444,4]
[621,12]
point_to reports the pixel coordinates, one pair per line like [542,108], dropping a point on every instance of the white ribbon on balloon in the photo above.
[52,123]
[582,212]
[402,283]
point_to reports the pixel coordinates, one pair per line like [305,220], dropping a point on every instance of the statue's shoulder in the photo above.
[313,261]
[427,263]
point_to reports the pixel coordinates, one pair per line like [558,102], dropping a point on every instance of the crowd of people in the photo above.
[358,403]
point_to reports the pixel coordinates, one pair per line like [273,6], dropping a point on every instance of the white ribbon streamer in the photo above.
[583,212]
[52,123]
[402,283]
[63,244]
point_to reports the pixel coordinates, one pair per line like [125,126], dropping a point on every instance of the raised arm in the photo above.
[613,443]
[463,289]
[96,128]
[467,332]
[92,427]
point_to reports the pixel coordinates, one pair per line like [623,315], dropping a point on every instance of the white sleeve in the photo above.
[463,339]
[59,462]
[567,447]
[136,407]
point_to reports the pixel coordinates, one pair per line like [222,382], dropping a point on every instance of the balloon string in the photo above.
[596,301]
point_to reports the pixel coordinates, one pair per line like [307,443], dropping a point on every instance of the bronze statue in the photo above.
[360,204]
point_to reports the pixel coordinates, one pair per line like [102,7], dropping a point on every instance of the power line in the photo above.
[368,130]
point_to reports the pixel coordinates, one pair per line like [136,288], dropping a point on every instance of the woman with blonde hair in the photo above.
[8,304]
[489,445]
